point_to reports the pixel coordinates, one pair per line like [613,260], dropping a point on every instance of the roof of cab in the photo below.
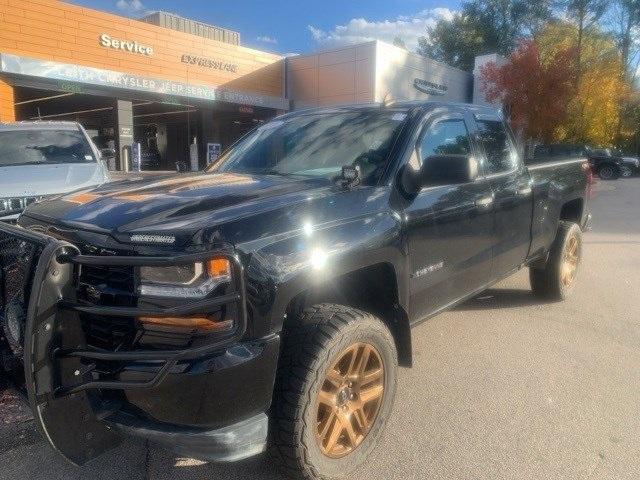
[39,125]
[405,105]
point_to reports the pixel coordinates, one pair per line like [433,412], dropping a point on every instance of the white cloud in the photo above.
[266,39]
[357,30]
[130,7]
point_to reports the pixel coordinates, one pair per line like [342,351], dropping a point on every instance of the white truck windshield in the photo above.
[35,147]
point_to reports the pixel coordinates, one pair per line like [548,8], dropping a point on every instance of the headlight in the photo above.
[184,281]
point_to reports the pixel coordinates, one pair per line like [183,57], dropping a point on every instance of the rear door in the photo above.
[33,281]
[513,195]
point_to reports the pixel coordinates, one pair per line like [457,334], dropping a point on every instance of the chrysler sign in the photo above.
[429,88]
[13,64]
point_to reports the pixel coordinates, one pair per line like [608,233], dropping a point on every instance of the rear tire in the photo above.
[556,279]
[609,172]
[316,434]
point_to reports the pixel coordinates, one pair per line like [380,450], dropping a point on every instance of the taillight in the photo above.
[591,178]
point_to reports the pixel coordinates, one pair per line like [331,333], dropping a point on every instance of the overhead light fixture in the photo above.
[77,112]
[43,99]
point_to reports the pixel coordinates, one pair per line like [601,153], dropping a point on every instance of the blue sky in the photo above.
[298,26]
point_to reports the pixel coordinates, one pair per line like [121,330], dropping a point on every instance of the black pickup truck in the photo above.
[265,304]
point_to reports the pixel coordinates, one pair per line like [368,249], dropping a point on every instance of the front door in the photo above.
[449,227]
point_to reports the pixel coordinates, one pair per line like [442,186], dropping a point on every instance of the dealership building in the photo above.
[183,89]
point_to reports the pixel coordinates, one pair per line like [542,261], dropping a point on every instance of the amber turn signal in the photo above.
[202,324]
[218,267]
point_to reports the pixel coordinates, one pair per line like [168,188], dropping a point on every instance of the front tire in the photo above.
[334,392]
[557,278]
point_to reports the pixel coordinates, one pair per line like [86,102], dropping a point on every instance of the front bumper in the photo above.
[208,392]
[207,401]
[226,444]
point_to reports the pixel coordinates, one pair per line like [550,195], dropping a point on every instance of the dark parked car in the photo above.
[560,150]
[629,165]
[606,163]
[268,301]
[606,166]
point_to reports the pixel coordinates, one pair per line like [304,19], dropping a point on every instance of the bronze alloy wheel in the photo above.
[570,261]
[349,399]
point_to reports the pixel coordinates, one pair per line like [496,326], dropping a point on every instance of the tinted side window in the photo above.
[501,156]
[448,137]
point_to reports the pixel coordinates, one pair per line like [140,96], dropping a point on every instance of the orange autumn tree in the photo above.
[535,91]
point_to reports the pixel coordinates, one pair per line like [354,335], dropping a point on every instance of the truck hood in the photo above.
[171,204]
[42,180]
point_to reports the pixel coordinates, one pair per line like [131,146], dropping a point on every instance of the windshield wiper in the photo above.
[276,173]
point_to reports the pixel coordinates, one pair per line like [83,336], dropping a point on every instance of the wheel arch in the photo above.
[374,289]
[572,210]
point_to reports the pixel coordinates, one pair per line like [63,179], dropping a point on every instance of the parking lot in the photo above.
[503,387]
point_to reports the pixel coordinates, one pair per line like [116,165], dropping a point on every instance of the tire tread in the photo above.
[305,344]
[545,282]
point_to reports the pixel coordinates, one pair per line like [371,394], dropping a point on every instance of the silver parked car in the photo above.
[42,159]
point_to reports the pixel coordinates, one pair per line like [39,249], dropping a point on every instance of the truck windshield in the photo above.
[318,145]
[36,147]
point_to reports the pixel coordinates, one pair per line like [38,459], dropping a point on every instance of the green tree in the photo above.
[455,42]
[624,21]
[483,26]
[398,42]
[585,14]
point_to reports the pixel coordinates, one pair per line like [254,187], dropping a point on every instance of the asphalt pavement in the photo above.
[503,387]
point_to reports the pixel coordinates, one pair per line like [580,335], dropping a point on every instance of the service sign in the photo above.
[125,45]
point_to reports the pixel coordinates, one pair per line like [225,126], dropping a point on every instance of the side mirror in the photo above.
[437,170]
[448,170]
[107,153]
